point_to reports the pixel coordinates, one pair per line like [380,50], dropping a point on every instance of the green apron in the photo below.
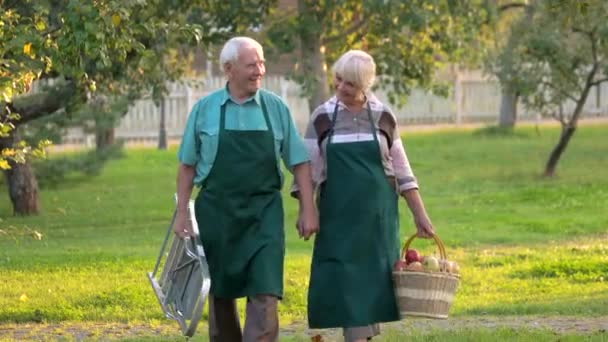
[239,211]
[358,240]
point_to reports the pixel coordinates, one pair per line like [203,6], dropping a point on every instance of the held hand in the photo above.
[308,223]
[181,226]
[424,227]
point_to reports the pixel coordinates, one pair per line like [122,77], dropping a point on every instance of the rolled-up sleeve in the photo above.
[403,171]
[293,151]
[189,148]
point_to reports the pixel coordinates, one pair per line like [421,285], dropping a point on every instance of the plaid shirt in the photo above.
[351,127]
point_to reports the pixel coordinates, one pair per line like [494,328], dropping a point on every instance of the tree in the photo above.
[16,75]
[410,40]
[503,16]
[100,49]
[560,57]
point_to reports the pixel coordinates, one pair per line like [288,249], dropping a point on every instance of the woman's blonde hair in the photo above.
[358,67]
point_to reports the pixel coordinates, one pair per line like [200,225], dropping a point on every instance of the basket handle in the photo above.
[437,240]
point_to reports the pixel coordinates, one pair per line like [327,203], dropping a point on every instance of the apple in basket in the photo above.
[415,266]
[412,255]
[446,266]
[430,263]
[399,265]
[455,267]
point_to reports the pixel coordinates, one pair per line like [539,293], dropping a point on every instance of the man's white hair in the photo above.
[230,51]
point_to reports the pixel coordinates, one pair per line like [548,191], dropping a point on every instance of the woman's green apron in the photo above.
[350,282]
[239,211]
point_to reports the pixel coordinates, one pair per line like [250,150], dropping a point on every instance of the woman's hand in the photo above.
[308,223]
[424,227]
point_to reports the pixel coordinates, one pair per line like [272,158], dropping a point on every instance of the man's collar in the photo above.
[226,96]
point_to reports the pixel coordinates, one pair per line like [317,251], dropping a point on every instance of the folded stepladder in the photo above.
[182,286]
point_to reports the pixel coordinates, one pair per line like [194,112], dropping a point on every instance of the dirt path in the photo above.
[557,324]
[116,331]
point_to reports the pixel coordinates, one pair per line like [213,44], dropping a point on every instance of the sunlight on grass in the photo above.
[526,245]
[564,279]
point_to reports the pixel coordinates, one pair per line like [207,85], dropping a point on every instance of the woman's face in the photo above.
[346,91]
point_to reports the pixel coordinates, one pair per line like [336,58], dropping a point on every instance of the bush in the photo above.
[54,171]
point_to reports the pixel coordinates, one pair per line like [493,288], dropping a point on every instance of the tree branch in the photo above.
[36,105]
[506,7]
[52,30]
[580,30]
[580,103]
[358,38]
[559,117]
[550,85]
[598,82]
[353,28]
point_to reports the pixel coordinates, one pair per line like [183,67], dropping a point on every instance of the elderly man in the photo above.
[232,146]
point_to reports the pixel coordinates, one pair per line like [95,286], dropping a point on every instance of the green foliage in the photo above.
[559,52]
[410,40]
[110,49]
[53,172]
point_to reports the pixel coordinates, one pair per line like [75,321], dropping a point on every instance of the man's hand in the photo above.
[308,219]
[308,223]
[182,224]
[185,176]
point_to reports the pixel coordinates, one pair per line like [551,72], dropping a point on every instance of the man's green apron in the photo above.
[358,241]
[239,211]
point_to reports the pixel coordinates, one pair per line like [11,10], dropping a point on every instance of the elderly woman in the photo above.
[359,168]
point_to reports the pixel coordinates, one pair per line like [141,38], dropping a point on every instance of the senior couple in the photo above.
[351,160]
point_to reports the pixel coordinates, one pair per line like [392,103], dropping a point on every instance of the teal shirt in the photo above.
[200,140]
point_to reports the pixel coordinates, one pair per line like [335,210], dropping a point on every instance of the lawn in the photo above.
[526,245]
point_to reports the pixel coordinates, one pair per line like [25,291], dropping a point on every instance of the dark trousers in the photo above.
[261,320]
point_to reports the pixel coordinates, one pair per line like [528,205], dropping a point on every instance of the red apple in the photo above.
[412,255]
[399,265]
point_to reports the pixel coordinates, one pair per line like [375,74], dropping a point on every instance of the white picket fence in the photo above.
[473,99]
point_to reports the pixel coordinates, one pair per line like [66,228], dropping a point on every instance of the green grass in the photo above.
[526,245]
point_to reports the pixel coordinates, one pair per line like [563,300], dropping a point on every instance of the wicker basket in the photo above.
[425,294]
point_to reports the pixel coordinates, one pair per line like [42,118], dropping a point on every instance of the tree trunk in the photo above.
[162,132]
[508,107]
[104,137]
[313,64]
[564,139]
[21,182]
[568,127]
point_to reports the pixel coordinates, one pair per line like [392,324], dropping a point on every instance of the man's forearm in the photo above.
[303,178]
[185,177]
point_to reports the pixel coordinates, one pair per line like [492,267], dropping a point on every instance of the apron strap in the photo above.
[335,114]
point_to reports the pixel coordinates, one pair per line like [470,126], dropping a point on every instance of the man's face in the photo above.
[247,72]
